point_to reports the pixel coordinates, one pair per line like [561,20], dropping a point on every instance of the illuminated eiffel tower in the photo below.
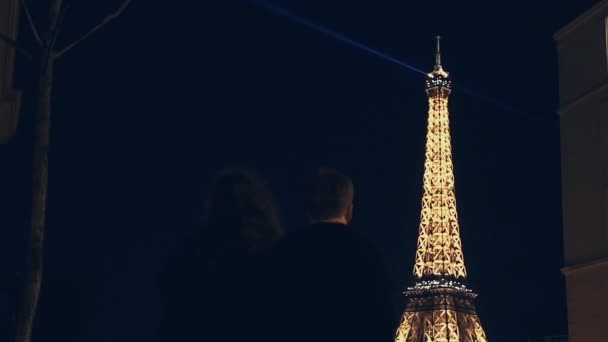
[439,305]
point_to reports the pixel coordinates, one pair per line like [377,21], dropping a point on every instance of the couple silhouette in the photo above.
[240,279]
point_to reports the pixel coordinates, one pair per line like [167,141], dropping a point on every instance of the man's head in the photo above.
[329,197]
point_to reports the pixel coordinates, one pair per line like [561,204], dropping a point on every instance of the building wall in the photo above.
[582,48]
[579,75]
[10,99]
[587,299]
[584,195]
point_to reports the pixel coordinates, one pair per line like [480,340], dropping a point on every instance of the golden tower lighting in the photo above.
[439,305]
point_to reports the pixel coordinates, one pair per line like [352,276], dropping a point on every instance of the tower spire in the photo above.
[438,69]
[438,54]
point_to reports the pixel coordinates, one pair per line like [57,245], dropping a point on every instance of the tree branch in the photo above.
[105,20]
[28,15]
[9,41]
[58,25]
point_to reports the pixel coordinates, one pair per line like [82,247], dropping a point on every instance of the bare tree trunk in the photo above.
[42,130]
[34,266]
[44,58]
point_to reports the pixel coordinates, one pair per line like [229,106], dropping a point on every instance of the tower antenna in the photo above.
[438,53]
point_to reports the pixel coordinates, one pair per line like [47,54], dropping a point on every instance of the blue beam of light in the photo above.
[333,34]
[283,12]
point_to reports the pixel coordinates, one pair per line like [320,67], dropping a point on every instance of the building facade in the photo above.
[582,49]
[10,99]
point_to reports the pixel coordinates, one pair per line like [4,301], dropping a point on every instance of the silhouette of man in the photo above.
[331,284]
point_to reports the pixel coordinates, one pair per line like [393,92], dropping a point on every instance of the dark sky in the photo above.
[148,109]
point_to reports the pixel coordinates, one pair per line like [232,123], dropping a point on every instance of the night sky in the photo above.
[151,107]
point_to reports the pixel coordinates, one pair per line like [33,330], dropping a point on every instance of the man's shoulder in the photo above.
[326,236]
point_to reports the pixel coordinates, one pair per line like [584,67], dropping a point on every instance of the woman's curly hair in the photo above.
[241,212]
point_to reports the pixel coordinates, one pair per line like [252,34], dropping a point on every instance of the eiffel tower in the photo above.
[439,305]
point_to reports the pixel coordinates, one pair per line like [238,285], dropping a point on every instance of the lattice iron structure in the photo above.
[439,305]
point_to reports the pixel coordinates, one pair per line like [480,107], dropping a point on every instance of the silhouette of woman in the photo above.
[209,289]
